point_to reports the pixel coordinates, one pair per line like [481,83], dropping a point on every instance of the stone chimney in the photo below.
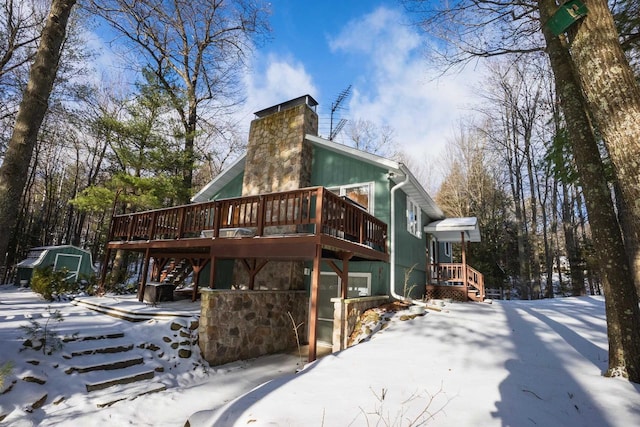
[279,159]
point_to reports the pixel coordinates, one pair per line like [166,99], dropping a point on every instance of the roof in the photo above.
[221,180]
[36,255]
[398,173]
[449,229]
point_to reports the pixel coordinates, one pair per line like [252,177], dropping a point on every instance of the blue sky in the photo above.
[322,47]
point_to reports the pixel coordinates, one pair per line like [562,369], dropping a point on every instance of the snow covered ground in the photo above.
[511,363]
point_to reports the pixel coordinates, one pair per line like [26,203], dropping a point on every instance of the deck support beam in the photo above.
[212,270]
[197,264]
[313,305]
[103,273]
[145,271]
[253,269]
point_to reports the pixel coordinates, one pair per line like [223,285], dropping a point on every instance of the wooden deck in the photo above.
[285,226]
[297,225]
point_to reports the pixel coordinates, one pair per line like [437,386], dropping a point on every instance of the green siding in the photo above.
[379,274]
[330,169]
[67,258]
[232,189]
[224,274]
[410,250]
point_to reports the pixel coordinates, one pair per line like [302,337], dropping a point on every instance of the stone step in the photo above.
[121,392]
[98,335]
[26,396]
[110,365]
[93,349]
[125,376]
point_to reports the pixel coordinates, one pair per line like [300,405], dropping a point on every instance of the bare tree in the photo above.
[20,25]
[367,136]
[194,48]
[472,187]
[613,98]
[15,167]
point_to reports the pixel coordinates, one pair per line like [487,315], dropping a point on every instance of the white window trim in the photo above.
[413,207]
[354,274]
[341,190]
[447,249]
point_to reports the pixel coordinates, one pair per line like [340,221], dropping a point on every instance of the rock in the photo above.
[36,380]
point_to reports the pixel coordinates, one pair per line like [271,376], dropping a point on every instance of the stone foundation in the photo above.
[345,316]
[239,325]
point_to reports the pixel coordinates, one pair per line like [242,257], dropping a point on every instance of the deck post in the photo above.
[103,273]
[212,270]
[197,264]
[145,270]
[313,309]
[464,261]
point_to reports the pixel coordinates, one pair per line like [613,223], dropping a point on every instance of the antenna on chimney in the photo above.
[336,131]
[334,107]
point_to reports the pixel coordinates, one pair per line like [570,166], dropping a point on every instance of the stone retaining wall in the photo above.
[239,325]
[346,313]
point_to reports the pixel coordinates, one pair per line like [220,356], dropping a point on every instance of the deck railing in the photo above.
[309,210]
[458,274]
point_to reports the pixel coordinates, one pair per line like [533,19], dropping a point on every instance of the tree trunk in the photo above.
[626,218]
[621,300]
[576,266]
[613,96]
[15,168]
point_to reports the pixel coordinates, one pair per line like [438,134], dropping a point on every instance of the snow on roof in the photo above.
[449,229]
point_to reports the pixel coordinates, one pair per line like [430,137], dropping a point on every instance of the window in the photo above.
[414,218]
[447,249]
[359,193]
[359,284]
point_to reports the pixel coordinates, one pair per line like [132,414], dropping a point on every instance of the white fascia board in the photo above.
[414,190]
[222,179]
[354,152]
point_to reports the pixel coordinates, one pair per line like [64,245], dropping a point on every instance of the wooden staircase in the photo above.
[460,276]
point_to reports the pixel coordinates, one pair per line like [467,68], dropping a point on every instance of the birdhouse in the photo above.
[567,14]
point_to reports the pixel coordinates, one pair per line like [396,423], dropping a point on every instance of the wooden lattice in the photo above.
[456,293]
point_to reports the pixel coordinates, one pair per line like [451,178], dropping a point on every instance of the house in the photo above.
[301,226]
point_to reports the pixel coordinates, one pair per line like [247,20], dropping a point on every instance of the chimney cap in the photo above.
[304,99]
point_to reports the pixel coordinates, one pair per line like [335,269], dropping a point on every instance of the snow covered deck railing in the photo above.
[314,210]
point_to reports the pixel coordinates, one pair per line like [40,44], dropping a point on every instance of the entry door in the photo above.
[359,286]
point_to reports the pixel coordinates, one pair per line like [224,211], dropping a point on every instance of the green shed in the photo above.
[77,261]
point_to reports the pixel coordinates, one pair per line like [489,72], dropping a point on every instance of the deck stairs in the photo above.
[178,277]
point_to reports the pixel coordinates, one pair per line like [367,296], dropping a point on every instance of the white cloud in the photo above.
[275,79]
[396,86]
